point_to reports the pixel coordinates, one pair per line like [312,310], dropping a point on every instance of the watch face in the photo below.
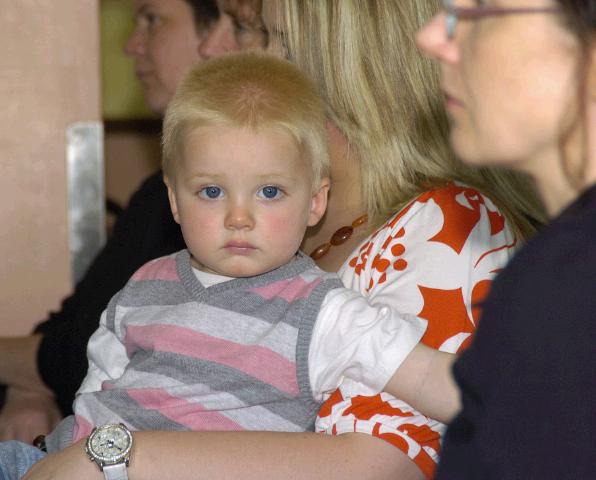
[110,443]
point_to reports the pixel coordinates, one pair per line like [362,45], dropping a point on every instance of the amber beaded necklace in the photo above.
[338,238]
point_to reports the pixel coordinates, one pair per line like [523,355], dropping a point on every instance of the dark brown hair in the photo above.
[205,12]
[579,17]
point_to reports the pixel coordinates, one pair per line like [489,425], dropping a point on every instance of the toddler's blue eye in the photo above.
[270,192]
[210,192]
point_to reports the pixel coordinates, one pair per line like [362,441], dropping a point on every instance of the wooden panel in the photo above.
[49,79]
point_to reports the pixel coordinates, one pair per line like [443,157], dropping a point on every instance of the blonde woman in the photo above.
[440,229]
[437,232]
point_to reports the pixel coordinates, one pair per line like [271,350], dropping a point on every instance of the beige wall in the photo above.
[49,78]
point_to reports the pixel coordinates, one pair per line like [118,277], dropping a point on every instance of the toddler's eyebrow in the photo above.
[199,175]
[274,175]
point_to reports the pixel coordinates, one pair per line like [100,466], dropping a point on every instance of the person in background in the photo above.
[437,233]
[520,89]
[43,370]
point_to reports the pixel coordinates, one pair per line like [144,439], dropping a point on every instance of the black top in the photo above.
[145,230]
[528,381]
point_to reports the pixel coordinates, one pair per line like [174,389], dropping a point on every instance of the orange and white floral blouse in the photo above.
[436,258]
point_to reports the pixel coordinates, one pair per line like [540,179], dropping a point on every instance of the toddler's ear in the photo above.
[318,203]
[172,199]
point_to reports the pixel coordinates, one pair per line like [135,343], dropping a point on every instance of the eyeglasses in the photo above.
[453,14]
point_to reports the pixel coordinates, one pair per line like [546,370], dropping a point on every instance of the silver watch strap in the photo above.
[116,472]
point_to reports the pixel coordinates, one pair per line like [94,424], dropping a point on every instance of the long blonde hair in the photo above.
[385,97]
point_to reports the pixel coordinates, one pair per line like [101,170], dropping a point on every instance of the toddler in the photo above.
[240,331]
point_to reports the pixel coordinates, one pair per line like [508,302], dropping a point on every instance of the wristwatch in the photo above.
[109,447]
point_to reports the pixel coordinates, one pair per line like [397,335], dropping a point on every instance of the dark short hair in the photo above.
[579,17]
[204,11]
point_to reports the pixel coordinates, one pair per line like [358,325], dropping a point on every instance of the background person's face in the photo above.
[509,83]
[164,46]
[239,27]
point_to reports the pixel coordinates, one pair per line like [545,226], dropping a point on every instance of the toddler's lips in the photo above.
[241,248]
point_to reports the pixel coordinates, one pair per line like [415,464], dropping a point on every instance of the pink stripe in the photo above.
[82,428]
[191,415]
[254,360]
[160,269]
[289,290]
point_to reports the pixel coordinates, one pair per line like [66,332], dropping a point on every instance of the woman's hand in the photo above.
[27,414]
[69,464]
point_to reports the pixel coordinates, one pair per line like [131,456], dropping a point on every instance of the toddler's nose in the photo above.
[239,217]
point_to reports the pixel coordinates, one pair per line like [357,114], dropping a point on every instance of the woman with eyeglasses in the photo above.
[520,86]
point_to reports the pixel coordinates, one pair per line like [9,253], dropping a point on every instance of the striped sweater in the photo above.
[179,356]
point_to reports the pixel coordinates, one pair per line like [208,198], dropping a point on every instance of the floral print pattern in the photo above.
[436,258]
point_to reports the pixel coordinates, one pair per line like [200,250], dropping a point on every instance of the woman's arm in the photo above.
[246,455]
[268,455]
